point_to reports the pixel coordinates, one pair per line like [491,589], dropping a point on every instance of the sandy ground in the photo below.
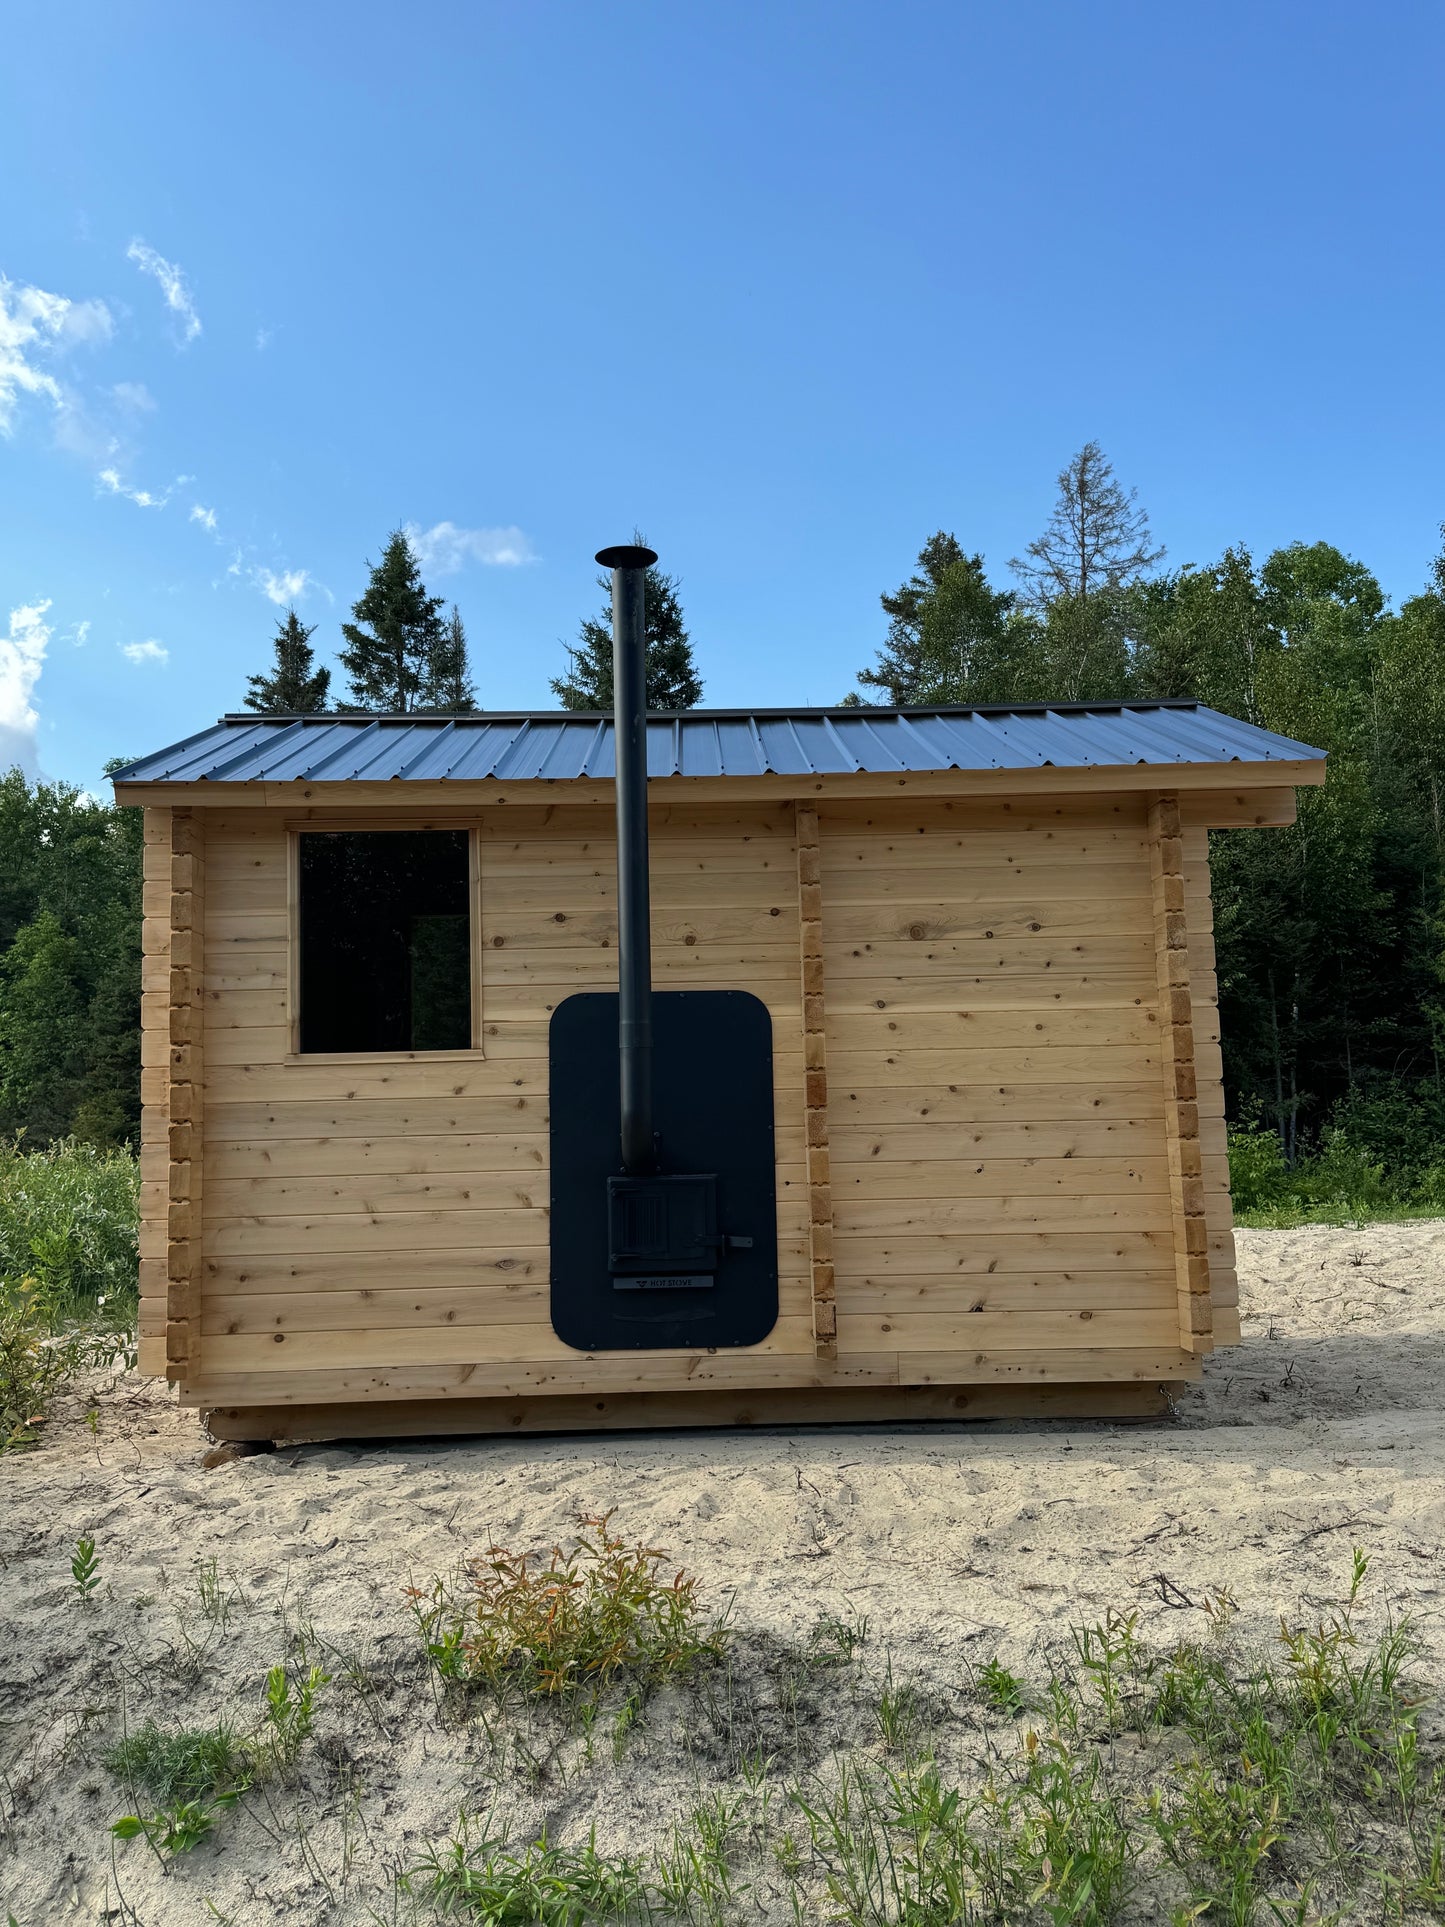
[1325,1430]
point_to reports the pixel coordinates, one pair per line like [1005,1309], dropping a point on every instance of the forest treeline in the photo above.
[1331,934]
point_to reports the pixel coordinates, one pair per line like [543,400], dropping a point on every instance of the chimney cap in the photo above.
[626,557]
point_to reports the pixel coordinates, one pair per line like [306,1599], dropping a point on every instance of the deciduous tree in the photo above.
[952,638]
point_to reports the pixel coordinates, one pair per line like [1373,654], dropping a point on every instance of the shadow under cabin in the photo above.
[560,1071]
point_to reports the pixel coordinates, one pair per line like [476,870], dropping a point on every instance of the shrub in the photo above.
[570,1623]
[1259,1178]
[31,1368]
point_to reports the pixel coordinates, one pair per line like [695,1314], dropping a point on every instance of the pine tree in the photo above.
[672,679]
[294,687]
[393,642]
[1097,537]
[447,687]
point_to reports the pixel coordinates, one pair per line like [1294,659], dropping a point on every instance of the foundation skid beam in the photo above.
[815,1082]
[1181,1095]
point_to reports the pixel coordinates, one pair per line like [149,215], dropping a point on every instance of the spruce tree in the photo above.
[393,642]
[952,638]
[295,686]
[447,688]
[672,679]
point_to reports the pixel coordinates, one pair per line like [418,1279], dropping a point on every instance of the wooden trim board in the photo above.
[815,1082]
[1181,1093]
[395,793]
[638,1411]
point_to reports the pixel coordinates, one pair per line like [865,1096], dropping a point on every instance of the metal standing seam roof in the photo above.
[561,746]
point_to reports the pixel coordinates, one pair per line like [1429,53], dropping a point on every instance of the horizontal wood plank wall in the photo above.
[1218,1210]
[1000,1175]
[385,1216]
[377,1227]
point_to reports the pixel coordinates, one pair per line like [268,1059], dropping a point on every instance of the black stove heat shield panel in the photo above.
[688,1257]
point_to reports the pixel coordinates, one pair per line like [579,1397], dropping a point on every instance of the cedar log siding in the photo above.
[993,1129]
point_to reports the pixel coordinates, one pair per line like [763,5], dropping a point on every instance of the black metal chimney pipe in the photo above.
[629,568]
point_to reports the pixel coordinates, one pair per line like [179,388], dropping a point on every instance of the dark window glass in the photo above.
[385,941]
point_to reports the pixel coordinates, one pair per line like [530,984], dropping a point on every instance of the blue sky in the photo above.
[789,286]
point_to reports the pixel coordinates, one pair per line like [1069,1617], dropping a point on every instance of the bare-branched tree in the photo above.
[1096,538]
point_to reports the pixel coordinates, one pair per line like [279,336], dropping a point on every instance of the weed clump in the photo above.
[542,1886]
[193,1774]
[568,1624]
[194,1763]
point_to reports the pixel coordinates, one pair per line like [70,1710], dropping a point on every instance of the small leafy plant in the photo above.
[85,1569]
[289,1717]
[1002,1690]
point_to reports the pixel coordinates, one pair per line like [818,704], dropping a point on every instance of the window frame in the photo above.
[355,822]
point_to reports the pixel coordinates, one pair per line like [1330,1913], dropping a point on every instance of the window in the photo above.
[384,925]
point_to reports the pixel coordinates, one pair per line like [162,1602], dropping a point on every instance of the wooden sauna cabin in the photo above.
[980,939]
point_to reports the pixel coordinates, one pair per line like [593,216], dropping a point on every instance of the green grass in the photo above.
[185,1764]
[67,1274]
[68,1219]
[1292,1780]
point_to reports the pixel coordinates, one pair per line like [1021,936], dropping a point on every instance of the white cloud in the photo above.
[82,630]
[264,338]
[172,284]
[444,548]
[22,656]
[144,652]
[206,517]
[283,588]
[110,481]
[33,326]
[134,397]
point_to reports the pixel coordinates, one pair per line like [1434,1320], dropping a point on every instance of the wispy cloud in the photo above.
[34,328]
[444,548]
[288,586]
[134,397]
[141,653]
[172,283]
[22,657]
[110,481]
[205,517]
[264,338]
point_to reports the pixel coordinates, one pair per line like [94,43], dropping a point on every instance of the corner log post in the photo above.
[815,1082]
[1181,1098]
[185,1096]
